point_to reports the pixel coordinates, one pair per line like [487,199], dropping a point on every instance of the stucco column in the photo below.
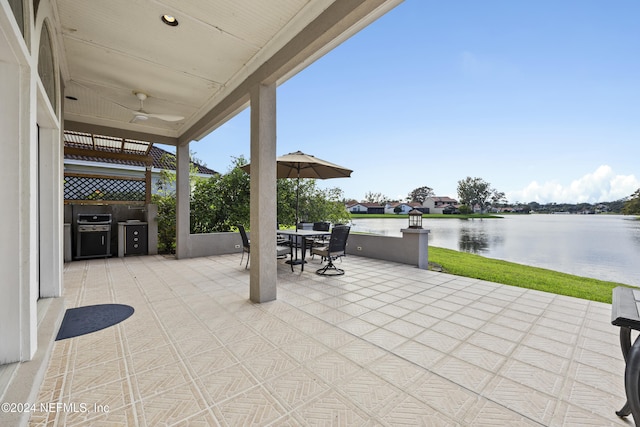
[419,239]
[183,199]
[51,194]
[263,215]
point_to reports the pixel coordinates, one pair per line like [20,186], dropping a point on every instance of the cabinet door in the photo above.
[136,240]
[94,243]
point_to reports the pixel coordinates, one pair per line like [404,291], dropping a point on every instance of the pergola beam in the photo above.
[146,159]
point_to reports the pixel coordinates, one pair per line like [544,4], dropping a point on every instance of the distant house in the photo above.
[438,204]
[506,209]
[365,208]
[405,208]
[162,160]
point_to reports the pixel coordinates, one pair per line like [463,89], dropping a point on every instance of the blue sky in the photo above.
[540,98]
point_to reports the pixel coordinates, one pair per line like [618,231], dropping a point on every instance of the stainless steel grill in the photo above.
[93,236]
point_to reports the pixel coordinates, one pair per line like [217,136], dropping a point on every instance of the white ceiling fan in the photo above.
[141,115]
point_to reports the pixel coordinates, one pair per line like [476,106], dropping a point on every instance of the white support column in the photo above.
[183,199]
[11,285]
[29,244]
[263,194]
[51,212]
[18,256]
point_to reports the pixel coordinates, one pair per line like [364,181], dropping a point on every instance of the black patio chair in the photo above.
[334,250]
[246,244]
[280,239]
[318,241]
[321,226]
[281,251]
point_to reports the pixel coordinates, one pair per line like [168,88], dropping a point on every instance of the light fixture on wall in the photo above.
[169,20]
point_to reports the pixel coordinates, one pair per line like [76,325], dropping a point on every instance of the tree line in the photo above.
[221,202]
[477,193]
[472,192]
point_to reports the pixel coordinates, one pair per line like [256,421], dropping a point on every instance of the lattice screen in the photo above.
[103,188]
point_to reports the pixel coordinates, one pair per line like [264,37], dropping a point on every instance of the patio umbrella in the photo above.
[300,165]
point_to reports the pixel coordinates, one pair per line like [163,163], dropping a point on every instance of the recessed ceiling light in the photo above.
[170,20]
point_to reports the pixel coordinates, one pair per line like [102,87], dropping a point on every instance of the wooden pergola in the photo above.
[92,146]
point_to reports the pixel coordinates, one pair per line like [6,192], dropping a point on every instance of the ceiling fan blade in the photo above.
[138,117]
[166,117]
[140,114]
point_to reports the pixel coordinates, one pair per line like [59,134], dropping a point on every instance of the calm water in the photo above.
[605,247]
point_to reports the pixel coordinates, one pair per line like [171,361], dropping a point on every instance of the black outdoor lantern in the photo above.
[415,219]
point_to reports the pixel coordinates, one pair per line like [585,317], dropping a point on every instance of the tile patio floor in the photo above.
[385,344]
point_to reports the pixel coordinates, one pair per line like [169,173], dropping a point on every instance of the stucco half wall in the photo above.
[412,248]
[208,244]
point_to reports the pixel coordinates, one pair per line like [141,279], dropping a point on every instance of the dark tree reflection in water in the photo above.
[474,241]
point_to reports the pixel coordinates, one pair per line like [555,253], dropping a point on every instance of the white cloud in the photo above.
[603,185]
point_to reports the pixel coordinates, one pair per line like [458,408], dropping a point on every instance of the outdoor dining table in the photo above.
[302,235]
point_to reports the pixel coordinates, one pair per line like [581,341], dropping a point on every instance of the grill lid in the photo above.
[94,218]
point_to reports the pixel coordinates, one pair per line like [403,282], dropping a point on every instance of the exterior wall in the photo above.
[358,209]
[429,203]
[437,207]
[14,210]
[31,251]
[366,210]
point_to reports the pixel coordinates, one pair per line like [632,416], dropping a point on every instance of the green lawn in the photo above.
[509,273]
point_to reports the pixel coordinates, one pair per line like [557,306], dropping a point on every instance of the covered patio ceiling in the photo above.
[201,69]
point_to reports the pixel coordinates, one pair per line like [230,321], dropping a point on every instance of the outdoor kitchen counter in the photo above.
[132,238]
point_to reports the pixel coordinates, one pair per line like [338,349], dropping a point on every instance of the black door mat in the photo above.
[84,320]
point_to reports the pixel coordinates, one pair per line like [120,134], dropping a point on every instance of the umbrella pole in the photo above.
[298,239]
[298,201]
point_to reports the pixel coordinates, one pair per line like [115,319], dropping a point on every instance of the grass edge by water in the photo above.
[520,275]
